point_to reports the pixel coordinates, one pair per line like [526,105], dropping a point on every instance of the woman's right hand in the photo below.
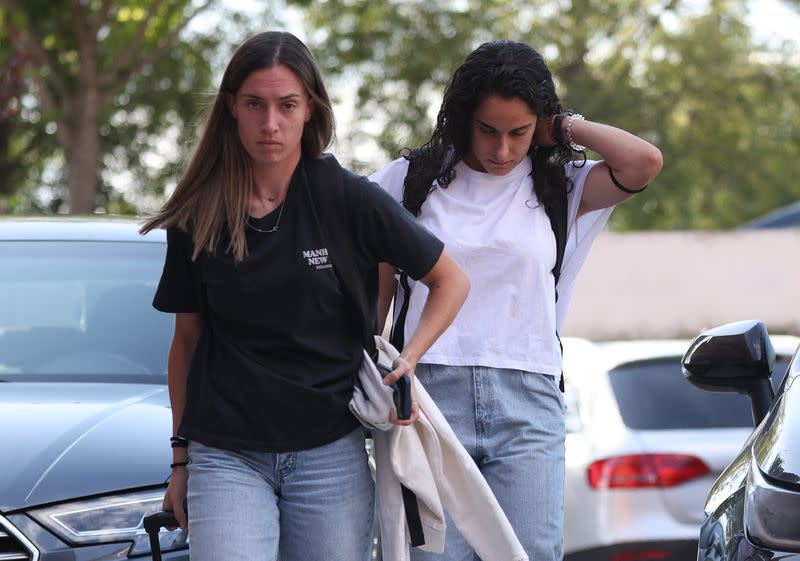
[175,497]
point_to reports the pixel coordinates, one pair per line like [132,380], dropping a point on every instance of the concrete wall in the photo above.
[675,284]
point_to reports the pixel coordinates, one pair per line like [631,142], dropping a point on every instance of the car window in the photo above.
[81,309]
[654,395]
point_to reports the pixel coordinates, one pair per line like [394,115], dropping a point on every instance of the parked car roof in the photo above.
[81,228]
[620,352]
[784,217]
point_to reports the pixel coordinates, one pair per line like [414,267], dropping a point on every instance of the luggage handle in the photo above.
[153,524]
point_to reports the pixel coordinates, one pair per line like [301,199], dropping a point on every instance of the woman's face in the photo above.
[501,134]
[271,109]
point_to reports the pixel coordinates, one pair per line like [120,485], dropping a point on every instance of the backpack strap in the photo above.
[326,178]
[397,336]
[558,222]
[558,216]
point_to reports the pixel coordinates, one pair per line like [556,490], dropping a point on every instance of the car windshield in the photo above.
[77,311]
[654,395]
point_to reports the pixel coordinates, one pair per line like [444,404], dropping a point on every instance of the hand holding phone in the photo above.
[402,397]
[401,394]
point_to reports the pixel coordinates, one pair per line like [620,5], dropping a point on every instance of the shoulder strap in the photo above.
[326,179]
[558,222]
[559,217]
[413,163]
[397,335]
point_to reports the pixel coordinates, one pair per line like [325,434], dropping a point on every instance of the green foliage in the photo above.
[729,128]
[724,111]
[147,73]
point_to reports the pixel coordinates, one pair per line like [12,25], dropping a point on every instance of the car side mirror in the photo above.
[736,357]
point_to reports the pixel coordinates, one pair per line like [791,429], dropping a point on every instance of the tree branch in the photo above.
[112,82]
[33,40]
[133,49]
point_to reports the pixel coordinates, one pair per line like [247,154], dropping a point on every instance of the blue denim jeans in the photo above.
[255,506]
[512,424]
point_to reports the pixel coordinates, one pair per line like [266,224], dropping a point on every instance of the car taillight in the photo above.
[644,470]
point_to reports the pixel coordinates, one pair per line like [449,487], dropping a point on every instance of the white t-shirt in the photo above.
[495,229]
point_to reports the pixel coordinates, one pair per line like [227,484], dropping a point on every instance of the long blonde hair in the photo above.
[217,185]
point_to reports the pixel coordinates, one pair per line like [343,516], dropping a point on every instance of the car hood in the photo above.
[66,440]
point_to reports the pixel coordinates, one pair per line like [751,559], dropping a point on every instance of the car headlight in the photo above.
[112,518]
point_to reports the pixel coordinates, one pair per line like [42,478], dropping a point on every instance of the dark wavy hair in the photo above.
[504,68]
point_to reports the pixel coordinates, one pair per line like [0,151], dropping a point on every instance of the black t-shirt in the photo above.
[281,343]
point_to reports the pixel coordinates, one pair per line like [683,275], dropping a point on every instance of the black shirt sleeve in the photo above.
[390,233]
[176,291]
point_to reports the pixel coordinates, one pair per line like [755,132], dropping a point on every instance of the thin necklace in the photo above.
[274,228]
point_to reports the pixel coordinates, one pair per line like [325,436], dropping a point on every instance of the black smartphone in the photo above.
[401,394]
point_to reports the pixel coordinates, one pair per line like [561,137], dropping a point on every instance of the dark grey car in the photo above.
[84,408]
[753,510]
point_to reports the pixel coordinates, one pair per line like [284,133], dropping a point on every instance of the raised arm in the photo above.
[634,162]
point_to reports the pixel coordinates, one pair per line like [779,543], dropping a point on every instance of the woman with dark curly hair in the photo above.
[498,169]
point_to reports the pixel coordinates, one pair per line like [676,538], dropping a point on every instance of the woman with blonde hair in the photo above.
[267,338]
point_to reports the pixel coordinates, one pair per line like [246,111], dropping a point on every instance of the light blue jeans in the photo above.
[255,506]
[512,424]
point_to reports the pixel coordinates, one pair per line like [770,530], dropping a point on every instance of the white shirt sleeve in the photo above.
[581,233]
[391,177]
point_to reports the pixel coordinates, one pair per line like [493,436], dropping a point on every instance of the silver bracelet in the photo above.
[574,146]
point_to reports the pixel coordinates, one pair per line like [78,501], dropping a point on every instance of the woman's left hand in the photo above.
[402,367]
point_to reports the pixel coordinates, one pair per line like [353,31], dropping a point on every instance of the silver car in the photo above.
[84,408]
[644,448]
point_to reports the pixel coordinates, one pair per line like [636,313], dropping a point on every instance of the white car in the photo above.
[644,447]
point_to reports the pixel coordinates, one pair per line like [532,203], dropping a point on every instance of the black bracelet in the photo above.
[178,442]
[621,187]
[174,465]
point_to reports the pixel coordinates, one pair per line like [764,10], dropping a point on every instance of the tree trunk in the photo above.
[84,152]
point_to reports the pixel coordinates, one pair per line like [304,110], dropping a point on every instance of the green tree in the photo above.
[114,84]
[722,109]
[728,117]
[12,86]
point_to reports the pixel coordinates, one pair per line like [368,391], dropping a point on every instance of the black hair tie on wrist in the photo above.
[174,465]
[621,187]
[178,442]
